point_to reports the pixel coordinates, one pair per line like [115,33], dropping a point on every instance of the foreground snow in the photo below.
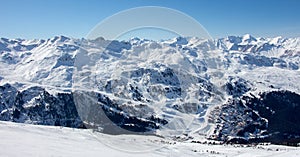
[34,140]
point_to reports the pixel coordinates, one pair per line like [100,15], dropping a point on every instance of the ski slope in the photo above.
[45,141]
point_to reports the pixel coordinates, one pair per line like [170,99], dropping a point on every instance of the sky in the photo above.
[32,19]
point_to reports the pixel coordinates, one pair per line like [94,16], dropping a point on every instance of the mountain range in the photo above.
[237,89]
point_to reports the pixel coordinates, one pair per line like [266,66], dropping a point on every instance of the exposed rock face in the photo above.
[36,106]
[271,117]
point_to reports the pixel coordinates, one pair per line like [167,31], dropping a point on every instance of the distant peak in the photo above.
[276,40]
[60,38]
[181,40]
[135,38]
[248,38]
[4,39]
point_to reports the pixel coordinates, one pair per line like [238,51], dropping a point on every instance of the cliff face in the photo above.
[36,106]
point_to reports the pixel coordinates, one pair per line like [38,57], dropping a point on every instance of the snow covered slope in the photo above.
[179,87]
[29,140]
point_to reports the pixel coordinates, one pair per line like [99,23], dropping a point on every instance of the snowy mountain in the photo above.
[234,89]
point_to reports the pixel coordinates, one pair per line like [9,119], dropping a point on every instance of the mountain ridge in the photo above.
[168,88]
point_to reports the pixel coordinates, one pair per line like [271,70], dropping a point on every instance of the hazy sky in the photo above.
[75,18]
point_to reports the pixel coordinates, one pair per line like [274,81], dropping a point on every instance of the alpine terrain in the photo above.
[238,89]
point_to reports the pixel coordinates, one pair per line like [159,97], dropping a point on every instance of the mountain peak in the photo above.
[248,38]
[180,41]
[59,38]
